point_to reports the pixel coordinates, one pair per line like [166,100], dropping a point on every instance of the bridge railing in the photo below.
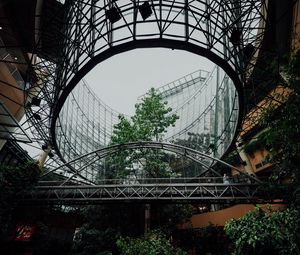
[170,180]
[216,193]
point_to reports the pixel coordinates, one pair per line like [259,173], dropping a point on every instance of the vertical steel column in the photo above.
[236,11]
[226,111]
[77,37]
[92,27]
[216,120]
[186,17]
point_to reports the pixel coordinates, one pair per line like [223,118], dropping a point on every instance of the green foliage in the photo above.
[151,119]
[179,213]
[45,244]
[92,241]
[283,130]
[172,214]
[211,240]
[13,180]
[96,237]
[207,240]
[256,144]
[283,137]
[16,179]
[233,158]
[264,232]
[149,123]
[103,226]
[123,132]
[121,217]
[106,223]
[153,243]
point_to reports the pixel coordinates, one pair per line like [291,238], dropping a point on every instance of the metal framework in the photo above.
[10,129]
[87,167]
[217,30]
[86,32]
[200,190]
[206,103]
[62,112]
[227,32]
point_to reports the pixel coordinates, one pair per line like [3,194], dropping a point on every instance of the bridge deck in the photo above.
[150,192]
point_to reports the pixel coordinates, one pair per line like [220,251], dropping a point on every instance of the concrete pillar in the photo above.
[147,217]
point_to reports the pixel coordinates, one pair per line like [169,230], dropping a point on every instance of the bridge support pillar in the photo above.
[147,217]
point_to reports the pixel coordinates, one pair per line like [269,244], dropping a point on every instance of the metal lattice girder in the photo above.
[10,129]
[81,166]
[228,33]
[223,31]
[147,192]
[86,122]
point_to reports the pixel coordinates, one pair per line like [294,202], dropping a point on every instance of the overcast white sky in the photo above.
[121,79]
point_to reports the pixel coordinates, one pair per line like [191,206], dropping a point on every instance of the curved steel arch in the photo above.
[206,161]
[83,111]
[143,44]
[201,27]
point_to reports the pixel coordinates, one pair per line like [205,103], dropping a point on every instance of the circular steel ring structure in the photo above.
[226,32]
[205,102]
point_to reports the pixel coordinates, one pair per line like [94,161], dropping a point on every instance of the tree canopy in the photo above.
[265,232]
[149,123]
[283,128]
[152,243]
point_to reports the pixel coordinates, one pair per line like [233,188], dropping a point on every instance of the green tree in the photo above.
[151,119]
[149,123]
[265,232]
[167,216]
[45,244]
[92,241]
[206,240]
[153,243]
[103,225]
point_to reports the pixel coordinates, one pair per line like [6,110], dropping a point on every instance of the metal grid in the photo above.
[165,190]
[86,122]
[227,32]
[90,169]
[221,31]
[10,128]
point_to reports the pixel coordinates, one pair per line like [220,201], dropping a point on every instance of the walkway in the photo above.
[179,190]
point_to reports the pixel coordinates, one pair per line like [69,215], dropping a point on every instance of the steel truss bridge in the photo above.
[63,114]
[208,187]
[197,190]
